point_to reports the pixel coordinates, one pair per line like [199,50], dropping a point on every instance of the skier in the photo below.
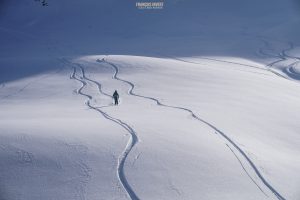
[116,97]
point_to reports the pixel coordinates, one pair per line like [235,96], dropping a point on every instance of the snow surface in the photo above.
[210,100]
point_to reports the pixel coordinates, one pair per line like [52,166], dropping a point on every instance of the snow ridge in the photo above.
[289,70]
[227,139]
[133,140]
[218,60]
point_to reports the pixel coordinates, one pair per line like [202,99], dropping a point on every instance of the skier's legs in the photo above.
[116,101]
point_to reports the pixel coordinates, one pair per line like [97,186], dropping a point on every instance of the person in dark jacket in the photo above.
[116,97]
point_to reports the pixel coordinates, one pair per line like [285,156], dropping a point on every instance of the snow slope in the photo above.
[209,100]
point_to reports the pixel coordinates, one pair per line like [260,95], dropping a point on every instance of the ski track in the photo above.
[93,81]
[246,170]
[133,140]
[217,131]
[269,67]
[223,61]
[282,56]
[290,69]
[218,60]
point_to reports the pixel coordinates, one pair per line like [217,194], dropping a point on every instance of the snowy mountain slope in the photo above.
[209,100]
[171,147]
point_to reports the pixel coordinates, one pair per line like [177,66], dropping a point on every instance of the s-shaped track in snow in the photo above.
[133,137]
[217,131]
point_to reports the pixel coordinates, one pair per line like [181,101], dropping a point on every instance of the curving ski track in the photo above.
[219,60]
[282,56]
[217,131]
[279,56]
[131,142]
[290,69]
[245,170]
[93,81]
[291,72]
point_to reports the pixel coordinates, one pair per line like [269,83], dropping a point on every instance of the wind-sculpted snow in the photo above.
[132,140]
[224,136]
